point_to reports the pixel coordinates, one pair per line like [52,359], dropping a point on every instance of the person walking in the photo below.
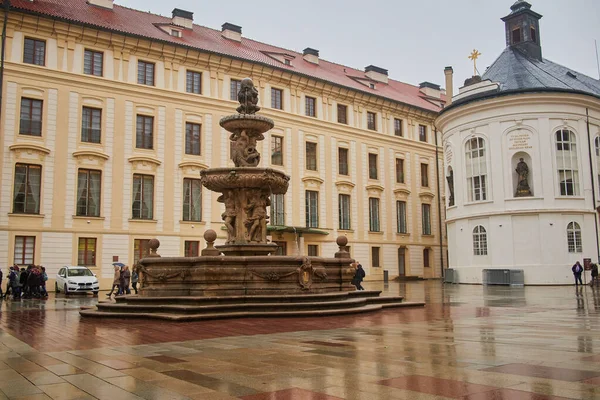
[577,271]
[116,279]
[1,295]
[594,281]
[359,275]
[125,279]
[43,291]
[134,280]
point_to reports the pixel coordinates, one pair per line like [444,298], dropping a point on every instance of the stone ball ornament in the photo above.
[210,235]
[341,241]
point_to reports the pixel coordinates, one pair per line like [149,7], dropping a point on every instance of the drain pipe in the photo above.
[587,122]
[2,50]
[439,202]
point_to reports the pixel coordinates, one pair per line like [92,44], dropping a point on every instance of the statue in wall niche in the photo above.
[522,170]
[229,216]
[244,153]
[450,180]
[248,97]
[256,210]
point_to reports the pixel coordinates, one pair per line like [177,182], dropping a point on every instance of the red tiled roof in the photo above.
[134,22]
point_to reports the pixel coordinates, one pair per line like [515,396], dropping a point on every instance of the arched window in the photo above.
[597,147]
[476,169]
[479,241]
[566,163]
[574,237]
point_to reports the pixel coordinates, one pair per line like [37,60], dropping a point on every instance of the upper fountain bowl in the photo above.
[251,123]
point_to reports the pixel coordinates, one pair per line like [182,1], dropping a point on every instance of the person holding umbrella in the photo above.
[116,279]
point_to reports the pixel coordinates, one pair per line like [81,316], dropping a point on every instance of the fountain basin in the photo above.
[221,179]
[251,123]
[240,276]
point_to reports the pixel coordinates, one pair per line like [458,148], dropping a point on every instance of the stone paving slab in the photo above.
[469,343]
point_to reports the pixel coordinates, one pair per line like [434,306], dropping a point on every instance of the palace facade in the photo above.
[109,114]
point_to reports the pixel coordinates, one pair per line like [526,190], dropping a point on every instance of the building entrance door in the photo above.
[402,261]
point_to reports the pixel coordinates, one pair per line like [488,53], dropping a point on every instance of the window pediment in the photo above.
[91,155]
[344,186]
[144,163]
[312,181]
[426,195]
[402,193]
[191,167]
[27,150]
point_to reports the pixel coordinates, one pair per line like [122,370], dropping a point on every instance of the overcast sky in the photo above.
[414,40]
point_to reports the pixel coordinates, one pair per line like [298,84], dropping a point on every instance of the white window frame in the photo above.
[480,241]
[277,209]
[567,163]
[476,171]
[574,243]
[345,210]
[401,221]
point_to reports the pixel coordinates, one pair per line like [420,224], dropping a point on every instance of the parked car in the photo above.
[76,279]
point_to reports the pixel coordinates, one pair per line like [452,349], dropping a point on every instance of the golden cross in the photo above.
[474,56]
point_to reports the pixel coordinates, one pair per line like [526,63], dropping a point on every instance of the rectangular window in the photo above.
[141,249]
[193,82]
[193,139]
[398,127]
[516,36]
[478,188]
[422,133]
[28,179]
[310,106]
[374,215]
[143,197]
[145,73]
[86,252]
[191,248]
[344,211]
[192,199]
[144,132]
[313,250]
[281,248]
[342,161]
[342,114]
[372,166]
[276,150]
[93,62]
[311,156]
[234,88]
[88,192]
[91,125]
[426,258]
[277,210]
[31,117]
[312,209]
[277,99]
[401,217]
[371,124]
[424,175]
[426,218]
[24,250]
[375,256]
[399,170]
[34,52]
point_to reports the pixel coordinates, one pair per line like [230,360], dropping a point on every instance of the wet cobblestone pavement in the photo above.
[469,342]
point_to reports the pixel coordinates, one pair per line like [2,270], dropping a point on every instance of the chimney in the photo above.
[311,55]
[102,3]
[376,73]
[231,32]
[430,89]
[449,72]
[183,18]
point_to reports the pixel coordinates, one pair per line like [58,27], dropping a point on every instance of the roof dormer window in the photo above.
[372,85]
[175,32]
[287,61]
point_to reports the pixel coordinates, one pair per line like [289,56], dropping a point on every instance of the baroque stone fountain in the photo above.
[242,278]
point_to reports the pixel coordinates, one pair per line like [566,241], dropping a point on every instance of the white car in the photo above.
[76,279]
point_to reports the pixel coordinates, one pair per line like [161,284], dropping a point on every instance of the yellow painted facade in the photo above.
[65,90]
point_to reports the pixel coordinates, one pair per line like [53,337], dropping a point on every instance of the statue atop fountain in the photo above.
[246,189]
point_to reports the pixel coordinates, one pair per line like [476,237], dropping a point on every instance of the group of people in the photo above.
[122,278]
[577,270]
[25,283]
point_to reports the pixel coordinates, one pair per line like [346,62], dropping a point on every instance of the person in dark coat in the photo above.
[125,279]
[594,274]
[134,280]
[359,275]
[577,271]
[34,281]
[23,281]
